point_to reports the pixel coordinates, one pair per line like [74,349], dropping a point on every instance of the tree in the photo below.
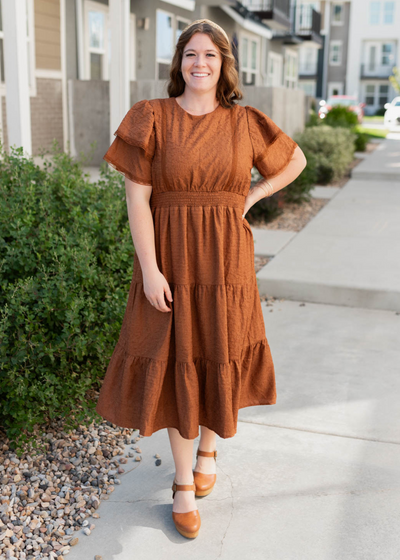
[395,79]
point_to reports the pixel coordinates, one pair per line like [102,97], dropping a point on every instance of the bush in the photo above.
[361,141]
[313,119]
[330,150]
[380,112]
[66,266]
[341,116]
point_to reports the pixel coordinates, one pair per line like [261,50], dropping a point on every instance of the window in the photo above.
[97,41]
[388,13]
[291,71]
[308,87]
[337,14]
[274,71]
[335,54]
[180,26]
[1,49]
[376,95]
[372,58]
[383,94]
[387,54]
[308,60]
[97,51]
[30,43]
[374,13]
[249,60]
[370,94]
[165,34]
[169,29]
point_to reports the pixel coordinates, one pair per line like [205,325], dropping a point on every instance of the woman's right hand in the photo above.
[155,286]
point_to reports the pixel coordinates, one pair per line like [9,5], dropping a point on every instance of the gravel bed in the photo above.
[49,494]
[294,216]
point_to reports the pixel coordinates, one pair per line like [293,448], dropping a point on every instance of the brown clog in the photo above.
[187,523]
[204,482]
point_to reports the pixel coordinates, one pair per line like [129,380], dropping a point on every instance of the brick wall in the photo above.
[46,116]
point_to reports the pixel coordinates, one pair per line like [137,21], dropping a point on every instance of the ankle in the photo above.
[207,447]
[184,480]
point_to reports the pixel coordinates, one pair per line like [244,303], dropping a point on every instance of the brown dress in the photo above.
[208,357]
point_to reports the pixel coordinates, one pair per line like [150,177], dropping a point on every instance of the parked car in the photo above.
[391,117]
[347,100]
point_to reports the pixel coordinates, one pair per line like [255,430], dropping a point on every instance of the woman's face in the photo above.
[201,63]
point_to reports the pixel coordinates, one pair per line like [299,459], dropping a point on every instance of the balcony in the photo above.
[307,24]
[378,71]
[275,13]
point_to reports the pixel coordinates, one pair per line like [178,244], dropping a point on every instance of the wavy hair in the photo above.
[228,84]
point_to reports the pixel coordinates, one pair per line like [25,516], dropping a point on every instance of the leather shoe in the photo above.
[204,482]
[187,523]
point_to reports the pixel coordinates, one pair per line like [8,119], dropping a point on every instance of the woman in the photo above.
[192,349]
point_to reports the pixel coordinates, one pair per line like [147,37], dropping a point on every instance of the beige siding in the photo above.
[47,34]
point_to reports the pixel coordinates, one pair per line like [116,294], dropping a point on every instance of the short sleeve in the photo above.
[272,148]
[132,151]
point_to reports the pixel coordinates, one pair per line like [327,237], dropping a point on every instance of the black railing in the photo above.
[306,20]
[282,6]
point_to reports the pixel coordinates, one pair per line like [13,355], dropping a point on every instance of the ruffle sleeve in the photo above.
[132,151]
[272,148]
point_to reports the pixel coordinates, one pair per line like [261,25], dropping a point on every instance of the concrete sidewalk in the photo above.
[313,477]
[349,253]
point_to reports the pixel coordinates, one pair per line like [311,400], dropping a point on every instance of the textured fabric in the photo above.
[209,357]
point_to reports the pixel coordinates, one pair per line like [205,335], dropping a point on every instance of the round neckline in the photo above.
[196,116]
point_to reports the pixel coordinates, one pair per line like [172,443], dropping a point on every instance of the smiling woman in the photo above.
[193,348]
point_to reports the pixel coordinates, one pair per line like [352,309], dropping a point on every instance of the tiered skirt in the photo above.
[208,357]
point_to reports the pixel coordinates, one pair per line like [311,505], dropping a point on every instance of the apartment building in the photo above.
[67,67]
[336,16]
[374,49]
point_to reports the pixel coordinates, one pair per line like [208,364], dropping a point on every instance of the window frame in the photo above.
[384,12]
[379,5]
[174,25]
[89,5]
[341,20]
[30,40]
[377,95]
[332,44]
[278,58]
[291,82]
[251,39]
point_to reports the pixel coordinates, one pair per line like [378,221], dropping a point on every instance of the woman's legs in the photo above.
[182,452]
[208,442]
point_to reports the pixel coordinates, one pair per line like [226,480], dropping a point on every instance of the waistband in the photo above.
[197,198]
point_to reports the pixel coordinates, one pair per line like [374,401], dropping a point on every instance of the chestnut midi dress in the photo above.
[208,357]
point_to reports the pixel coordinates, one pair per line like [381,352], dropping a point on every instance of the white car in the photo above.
[391,118]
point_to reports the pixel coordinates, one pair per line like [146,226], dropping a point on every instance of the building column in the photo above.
[120,55]
[14,13]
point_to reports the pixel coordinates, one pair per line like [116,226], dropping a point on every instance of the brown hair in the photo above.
[228,84]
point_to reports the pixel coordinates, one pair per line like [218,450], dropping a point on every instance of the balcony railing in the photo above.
[282,6]
[306,20]
[376,70]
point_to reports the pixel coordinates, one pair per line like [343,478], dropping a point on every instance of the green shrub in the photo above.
[66,265]
[380,112]
[313,119]
[341,116]
[332,150]
[361,141]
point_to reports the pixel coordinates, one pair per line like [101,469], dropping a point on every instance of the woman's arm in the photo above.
[142,230]
[293,170]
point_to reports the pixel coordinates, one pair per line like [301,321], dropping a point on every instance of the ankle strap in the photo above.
[176,487]
[207,453]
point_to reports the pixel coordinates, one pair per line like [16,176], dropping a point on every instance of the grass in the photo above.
[373,119]
[372,132]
